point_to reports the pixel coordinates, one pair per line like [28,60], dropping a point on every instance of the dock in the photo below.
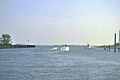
[16,46]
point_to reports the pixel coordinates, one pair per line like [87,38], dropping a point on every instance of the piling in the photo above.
[119,36]
[104,47]
[109,48]
[115,42]
[119,42]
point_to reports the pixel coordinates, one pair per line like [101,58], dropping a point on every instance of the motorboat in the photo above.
[55,48]
[65,48]
[88,46]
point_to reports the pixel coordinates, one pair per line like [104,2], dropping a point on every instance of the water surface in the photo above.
[44,63]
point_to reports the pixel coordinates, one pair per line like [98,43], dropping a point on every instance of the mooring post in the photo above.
[104,47]
[115,42]
[119,42]
[109,47]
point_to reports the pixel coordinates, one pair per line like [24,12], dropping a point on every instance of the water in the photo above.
[44,63]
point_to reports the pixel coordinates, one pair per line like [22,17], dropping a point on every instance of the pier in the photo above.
[16,46]
[115,46]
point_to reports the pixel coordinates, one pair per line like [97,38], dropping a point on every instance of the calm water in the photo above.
[43,63]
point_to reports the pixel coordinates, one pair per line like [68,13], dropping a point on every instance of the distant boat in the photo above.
[65,48]
[88,46]
[55,48]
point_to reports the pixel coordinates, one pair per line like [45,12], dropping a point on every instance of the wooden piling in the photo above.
[109,47]
[115,42]
[119,36]
[119,42]
[104,47]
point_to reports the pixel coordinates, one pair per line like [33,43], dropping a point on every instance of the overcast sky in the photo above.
[60,21]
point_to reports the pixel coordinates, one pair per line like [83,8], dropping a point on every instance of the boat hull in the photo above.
[65,49]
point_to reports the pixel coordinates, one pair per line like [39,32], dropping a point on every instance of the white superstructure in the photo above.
[65,48]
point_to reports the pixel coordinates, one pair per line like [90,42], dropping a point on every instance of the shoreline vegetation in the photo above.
[6,42]
[109,47]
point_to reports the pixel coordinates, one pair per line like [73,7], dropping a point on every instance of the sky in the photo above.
[50,22]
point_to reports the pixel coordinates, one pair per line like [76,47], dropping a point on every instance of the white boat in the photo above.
[88,46]
[65,48]
[55,48]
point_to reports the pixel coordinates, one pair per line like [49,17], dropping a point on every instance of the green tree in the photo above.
[6,39]
[0,41]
